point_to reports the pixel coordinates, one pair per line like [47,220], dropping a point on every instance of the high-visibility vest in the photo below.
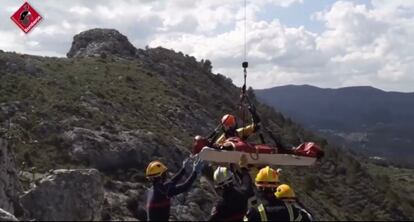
[263,215]
[291,213]
[262,212]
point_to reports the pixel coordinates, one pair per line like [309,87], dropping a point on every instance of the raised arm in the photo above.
[255,117]
[177,177]
[174,189]
[247,186]
[183,187]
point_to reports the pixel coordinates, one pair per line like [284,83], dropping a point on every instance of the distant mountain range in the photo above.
[364,118]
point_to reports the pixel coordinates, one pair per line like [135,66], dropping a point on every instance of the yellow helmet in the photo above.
[284,191]
[267,177]
[155,169]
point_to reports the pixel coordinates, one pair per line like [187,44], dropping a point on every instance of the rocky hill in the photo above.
[369,120]
[97,42]
[99,116]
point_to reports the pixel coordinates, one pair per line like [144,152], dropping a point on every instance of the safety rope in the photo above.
[245,30]
[243,97]
[245,64]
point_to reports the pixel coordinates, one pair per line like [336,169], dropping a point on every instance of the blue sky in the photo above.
[299,14]
[326,43]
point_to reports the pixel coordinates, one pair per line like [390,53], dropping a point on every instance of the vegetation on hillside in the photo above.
[174,97]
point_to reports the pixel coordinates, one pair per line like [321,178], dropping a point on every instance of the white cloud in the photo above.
[373,44]
[66,24]
[33,43]
[283,3]
[361,45]
[80,10]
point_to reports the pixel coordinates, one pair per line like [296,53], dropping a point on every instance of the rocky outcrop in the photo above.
[101,42]
[6,216]
[72,195]
[192,206]
[124,201]
[111,151]
[10,186]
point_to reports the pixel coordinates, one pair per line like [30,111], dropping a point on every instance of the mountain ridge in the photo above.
[376,113]
[360,87]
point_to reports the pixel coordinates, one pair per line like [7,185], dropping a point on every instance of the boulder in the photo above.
[101,42]
[74,195]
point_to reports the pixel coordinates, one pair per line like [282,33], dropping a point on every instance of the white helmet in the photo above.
[222,177]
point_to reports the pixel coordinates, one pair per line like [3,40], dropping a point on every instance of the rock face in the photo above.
[127,201]
[123,150]
[6,216]
[100,42]
[193,206]
[10,186]
[72,195]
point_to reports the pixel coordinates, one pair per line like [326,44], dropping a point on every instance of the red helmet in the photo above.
[199,143]
[228,121]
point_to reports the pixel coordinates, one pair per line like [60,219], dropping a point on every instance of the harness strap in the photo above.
[292,213]
[290,210]
[304,211]
[262,212]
